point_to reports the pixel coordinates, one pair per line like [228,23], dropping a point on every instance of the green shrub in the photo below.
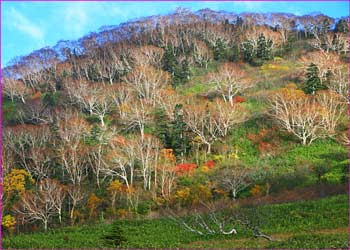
[115,236]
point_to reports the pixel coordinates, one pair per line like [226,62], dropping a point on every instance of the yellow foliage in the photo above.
[16,180]
[290,92]
[183,194]
[168,154]
[115,187]
[271,66]
[205,169]
[204,192]
[9,222]
[218,157]
[233,156]
[122,213]
[92,204]
[197,140]
[278,59]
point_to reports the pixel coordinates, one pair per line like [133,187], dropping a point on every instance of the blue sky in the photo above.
[28,26]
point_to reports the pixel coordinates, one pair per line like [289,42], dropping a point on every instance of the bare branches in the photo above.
[147,82]
[229,81]
[306,117]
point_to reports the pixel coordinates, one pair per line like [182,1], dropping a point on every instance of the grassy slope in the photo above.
[290,223]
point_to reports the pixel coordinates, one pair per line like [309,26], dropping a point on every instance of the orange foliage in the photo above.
[167,154]
[256,190]
[92,204]
[36,96]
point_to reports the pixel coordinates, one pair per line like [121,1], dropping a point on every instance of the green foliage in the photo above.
[173,134]
[342,26]
[313,81]
[314,241]
[179,70]
[10,114]
[50,98]
[247,49]
[264,49]
[115,236]
[169,59]
[220,50]
[235,53]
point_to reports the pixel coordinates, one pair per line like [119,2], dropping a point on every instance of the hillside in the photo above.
[197,121]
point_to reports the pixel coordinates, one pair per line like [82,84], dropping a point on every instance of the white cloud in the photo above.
[23,24]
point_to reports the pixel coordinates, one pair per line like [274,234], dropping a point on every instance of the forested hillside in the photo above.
[202,119]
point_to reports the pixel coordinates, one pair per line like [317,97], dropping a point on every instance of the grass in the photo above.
[289,223]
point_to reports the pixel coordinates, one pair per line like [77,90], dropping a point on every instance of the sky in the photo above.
[28,26]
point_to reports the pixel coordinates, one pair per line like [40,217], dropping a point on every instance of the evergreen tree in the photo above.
[162,128]
[115,236]
[235,53]
[220,50]
[261,49]
[183,72]
[264,50]
[172,134]
[239,21]
[342,26]
[313,81]
[248,51]
[180,141]
[169,60]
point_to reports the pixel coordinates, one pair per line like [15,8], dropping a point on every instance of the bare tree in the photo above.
[229,81]
[30,145]
[147,153]
[15,89]
[234,179]
[147,82]
[122,96]
[226,116]
[76,195]
[92,98]
[332,110]
[120,161]
[72,152]
[43,203]
[212,121]
[55,194]
[306,117]
[202,54]
[137,115]
[148,56]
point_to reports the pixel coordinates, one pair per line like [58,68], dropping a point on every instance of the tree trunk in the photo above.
[45,225]
[209,148]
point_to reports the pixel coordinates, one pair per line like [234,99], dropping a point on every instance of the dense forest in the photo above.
[201,119]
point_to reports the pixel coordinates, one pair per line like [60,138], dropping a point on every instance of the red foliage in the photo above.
[210,164]
[265,147]
[239,99]
[185,168]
